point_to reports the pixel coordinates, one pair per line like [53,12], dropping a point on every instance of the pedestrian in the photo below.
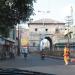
[66,54]
[25,52]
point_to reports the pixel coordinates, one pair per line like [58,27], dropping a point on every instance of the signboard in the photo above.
[24,38]
[24,42]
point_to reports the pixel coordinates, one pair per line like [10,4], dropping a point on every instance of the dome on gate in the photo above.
[47,20]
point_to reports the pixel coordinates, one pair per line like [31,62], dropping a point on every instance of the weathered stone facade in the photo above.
[44,28]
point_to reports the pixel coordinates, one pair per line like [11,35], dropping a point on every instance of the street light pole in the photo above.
[69,20]
[18,52]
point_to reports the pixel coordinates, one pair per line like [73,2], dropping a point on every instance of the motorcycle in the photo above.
[42,56]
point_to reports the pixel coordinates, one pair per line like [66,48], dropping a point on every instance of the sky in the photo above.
[58,9]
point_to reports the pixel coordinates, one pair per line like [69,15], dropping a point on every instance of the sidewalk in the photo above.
[56,57]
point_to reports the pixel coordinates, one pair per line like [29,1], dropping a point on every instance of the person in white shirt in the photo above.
[25,52]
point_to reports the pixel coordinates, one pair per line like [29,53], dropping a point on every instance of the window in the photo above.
[46,29]
[65,29]
[35,29]
[56,30]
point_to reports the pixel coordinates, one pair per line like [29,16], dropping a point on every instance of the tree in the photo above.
[12,12]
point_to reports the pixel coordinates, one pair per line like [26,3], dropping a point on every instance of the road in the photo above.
[32,60]
[34,63]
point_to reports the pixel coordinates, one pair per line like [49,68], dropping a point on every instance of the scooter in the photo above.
[43,56]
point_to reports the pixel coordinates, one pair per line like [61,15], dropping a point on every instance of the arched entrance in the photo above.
[50,41]
[46,44]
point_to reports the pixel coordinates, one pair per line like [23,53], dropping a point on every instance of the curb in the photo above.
[55,57]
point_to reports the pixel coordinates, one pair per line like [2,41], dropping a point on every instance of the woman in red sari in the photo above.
[66,55]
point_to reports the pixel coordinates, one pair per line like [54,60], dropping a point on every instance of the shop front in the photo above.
[8,48]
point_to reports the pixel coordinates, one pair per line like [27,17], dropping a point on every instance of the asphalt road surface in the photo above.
[34,63]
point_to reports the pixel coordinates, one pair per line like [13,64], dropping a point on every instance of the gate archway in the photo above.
[50,41]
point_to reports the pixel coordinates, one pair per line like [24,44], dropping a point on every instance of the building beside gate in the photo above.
[69,38]
[8,44]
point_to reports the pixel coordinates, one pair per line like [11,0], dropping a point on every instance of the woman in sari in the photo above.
[66,54]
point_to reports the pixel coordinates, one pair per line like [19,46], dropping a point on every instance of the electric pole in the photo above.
[69,21]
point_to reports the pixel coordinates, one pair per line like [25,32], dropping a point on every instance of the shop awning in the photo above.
[10,39]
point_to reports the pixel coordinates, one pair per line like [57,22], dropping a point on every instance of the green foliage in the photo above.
[4,31]
[12,12]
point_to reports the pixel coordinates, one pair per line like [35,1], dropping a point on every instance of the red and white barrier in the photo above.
[72,59]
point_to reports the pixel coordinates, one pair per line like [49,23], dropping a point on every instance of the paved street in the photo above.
[32,60]
[35,63]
